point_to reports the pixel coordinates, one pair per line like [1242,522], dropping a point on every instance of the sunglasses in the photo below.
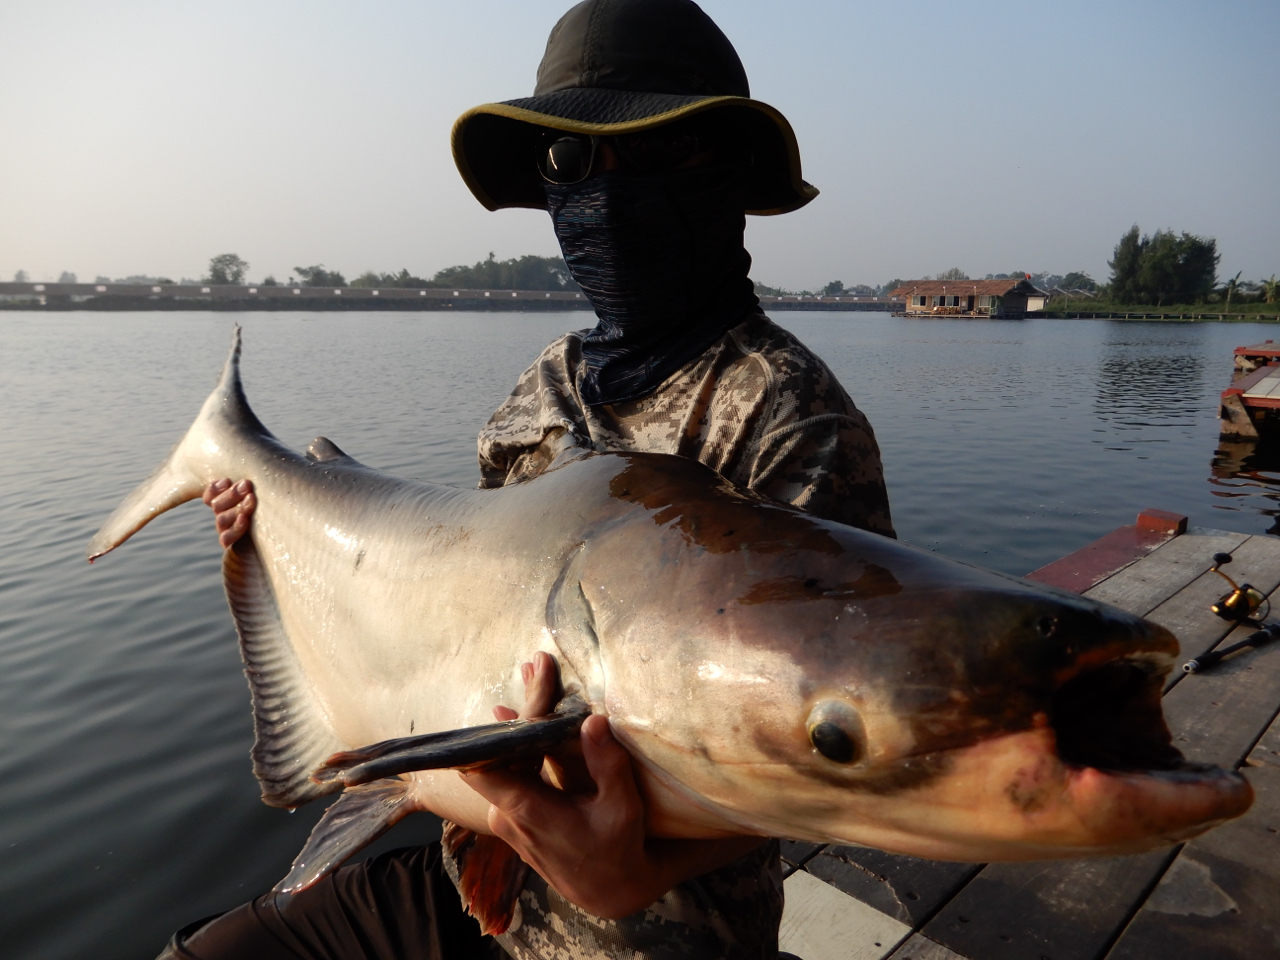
[566,158]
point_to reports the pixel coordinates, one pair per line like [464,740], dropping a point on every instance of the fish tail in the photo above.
[188,469]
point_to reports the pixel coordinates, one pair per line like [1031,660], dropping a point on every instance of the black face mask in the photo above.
[662,261]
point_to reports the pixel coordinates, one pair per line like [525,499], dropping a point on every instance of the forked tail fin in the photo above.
[184,473]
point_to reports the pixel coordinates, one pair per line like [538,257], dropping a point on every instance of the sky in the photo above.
[144,137]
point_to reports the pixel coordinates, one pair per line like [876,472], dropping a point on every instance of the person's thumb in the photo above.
[608,764]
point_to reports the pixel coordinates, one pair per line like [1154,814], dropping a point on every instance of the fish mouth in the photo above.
[1110,718]
[1108,764]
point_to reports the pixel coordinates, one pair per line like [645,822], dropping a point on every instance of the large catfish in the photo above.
[770,672]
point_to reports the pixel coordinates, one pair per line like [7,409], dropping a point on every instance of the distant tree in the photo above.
[402,279]
[1124,263]
[521,273]
[101,279]
[1078,280]
[1269,289]
[1229,290]
[764,290]
[318,276]
[227,268]
[834,289]
[1163,268]
[889,287]
[140,278]
[270,282]
[955,273]
[66,277]
[20,277]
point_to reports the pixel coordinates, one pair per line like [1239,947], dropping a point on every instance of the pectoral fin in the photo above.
[493,744]
[490,876]
[352,822]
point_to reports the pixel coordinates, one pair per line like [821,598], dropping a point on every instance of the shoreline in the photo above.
[58,297]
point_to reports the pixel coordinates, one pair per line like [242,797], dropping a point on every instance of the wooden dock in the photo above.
[1250,406]
[1217,896]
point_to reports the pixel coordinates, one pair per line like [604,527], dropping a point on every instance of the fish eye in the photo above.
[835,730]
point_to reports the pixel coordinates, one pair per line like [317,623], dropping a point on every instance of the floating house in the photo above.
[970,298]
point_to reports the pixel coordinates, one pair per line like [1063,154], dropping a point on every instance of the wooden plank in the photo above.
[920,947]
[821,923]
[1045,911]
[1103,558]
[1268,748]
[1218,715]
[1248,381]
[906,888]
[1218,900]
[1144,585]
[1265,387]
[1072,911]
[795,853]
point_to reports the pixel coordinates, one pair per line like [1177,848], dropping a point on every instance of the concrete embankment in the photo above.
[173,296]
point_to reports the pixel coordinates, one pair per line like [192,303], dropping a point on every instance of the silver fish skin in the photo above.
[770,672]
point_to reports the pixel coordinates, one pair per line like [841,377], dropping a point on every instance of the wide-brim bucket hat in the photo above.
[622,66]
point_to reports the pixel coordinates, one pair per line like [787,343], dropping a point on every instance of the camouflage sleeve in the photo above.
[536,423]
[828,465]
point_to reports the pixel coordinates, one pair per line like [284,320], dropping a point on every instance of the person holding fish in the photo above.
[644,145]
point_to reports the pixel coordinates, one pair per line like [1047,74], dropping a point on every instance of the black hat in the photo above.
[621,66]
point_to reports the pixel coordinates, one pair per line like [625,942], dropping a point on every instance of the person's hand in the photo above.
[590,845]
[233,505]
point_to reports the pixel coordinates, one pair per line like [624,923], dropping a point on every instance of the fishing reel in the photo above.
[1244,600]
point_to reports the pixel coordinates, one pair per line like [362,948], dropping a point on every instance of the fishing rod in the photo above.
[1256,639]
[1240,606]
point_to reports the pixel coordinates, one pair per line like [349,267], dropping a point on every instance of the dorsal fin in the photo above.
[322,449]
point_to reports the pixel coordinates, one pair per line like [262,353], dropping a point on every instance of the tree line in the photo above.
[1160,269]
[1166,268]
[1076,282]
[519,273]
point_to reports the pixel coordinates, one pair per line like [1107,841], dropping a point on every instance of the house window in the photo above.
[984,301]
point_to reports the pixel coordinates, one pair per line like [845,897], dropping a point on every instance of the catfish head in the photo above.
[794,677]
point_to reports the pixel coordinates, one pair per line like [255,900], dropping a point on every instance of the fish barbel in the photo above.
[770,672]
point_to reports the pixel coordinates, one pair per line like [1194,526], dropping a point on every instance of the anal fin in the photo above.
[292,733]
[352,822]
[490,876]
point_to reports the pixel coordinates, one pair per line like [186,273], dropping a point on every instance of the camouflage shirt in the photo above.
[759,408]
[728,914]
